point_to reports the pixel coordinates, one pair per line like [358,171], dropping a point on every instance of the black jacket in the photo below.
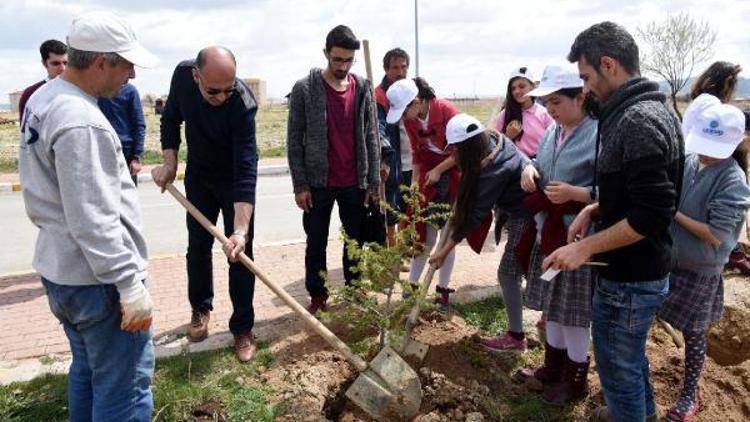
[639,177]
[221,140]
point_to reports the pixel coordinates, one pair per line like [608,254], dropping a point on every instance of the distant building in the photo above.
[258,86]
[14,97]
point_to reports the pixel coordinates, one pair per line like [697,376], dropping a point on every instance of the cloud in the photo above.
[466,48]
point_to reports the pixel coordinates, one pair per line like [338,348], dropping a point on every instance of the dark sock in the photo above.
[518,336]
[695,357]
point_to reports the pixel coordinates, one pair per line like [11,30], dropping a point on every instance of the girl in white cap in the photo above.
[425,117]
[523,121]
[490,177]
[560,182]
[715,198]
[717,84]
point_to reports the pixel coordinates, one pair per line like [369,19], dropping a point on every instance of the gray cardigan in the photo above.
[573,163]
[719,196]
[307,135]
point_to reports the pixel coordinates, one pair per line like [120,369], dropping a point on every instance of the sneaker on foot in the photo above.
[674,414]
[443,300]
[505,343]
[198,328]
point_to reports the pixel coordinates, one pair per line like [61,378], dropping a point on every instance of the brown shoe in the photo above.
[317,304]
[198,328]
[244,347]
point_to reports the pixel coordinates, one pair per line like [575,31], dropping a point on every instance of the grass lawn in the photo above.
[216,381]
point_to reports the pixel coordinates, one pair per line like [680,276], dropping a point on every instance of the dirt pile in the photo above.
[729,339]
[463,382]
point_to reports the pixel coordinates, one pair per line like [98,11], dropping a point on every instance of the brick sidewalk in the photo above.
[30,330]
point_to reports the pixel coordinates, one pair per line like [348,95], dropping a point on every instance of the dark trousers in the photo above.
[127,151]
[210,198]
[316,223]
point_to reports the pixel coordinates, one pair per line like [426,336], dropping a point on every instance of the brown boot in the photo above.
[552,370]
[317,304]
[572,388]
[198,328]
[738,261]
[244,347]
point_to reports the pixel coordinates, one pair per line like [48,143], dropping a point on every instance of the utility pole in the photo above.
[416,36]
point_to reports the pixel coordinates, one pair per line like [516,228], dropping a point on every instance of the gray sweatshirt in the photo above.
[719,196]
[78,192]
[307,135]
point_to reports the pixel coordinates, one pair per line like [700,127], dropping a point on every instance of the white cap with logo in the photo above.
[556,78]
[462,127]
[522,72]
[716,131]
[400,95]
[104,32]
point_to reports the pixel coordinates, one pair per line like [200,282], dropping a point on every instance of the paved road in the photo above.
[277,221]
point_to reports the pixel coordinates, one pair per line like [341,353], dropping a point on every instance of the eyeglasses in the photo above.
[213,92]
[341,60]
[58,63]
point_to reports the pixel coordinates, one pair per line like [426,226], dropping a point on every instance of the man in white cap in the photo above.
[90,252]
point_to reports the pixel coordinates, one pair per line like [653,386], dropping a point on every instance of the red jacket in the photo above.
[440,112]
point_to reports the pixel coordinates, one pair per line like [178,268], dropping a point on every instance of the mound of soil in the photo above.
[461,381]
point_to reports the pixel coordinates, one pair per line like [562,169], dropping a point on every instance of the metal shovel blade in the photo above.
[389,389]
[415,349]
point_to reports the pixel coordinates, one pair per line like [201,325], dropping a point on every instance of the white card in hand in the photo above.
[550,274]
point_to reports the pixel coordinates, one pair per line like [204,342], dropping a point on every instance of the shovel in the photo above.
[409,346]
[387,388]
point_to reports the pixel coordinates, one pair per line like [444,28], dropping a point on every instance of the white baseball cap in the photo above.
[696,107]
[556,78]
[716,131]
[522,72]
[462,127]
[400,95]
[105,32]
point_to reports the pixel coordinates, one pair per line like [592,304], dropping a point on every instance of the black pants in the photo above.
[316,223]
[128,153]
[210,198]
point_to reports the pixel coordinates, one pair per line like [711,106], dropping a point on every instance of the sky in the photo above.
[466,48]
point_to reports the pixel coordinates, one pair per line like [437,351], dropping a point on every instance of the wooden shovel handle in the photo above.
[310,320]
[411,321]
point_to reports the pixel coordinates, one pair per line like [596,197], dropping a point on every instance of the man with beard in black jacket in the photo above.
[638,177]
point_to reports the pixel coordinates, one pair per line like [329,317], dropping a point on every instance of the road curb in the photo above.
[270,170]
[169,345]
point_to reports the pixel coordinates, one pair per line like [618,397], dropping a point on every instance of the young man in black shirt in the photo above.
[639,176]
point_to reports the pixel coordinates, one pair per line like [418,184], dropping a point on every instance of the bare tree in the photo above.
[676,46]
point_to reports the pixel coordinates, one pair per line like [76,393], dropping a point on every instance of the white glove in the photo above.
[136,307]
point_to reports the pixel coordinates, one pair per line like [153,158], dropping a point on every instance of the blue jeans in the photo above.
[622,314]
[111,372]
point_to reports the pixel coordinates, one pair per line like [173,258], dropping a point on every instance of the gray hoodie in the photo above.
[78,192]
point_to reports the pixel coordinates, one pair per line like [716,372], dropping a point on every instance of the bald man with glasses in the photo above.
[222,162]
